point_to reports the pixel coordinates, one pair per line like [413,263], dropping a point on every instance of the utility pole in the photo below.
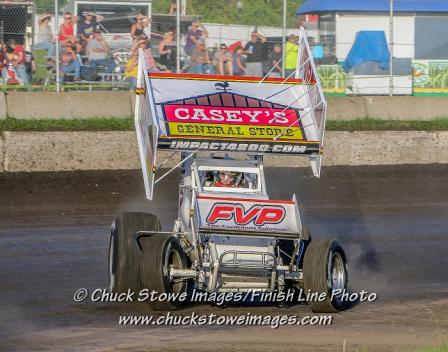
[285,3]
[56,19]
[178,5]
[391,47]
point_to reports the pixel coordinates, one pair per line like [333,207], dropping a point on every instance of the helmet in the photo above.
[229,178]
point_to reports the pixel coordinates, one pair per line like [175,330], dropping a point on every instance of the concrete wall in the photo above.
[58,151]
[406,107]
[2,106]
[387,108]
[82,105]
[72,105]
[2,153]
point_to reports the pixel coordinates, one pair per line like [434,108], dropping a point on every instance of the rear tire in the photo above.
[124,257]
[160,253]
[325,269]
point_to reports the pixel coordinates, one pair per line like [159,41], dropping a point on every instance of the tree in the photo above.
[253,12]
[48,5]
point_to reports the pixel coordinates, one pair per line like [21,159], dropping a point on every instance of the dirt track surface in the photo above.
[392,222]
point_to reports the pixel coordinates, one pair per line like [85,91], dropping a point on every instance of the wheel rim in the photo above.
[337,274]
[172,260]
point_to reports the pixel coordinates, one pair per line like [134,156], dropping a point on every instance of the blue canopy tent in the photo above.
[319,6]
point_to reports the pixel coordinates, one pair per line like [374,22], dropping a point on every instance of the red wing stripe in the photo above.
[224,78]
[247,200]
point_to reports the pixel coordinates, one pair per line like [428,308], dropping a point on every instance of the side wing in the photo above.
[146,126]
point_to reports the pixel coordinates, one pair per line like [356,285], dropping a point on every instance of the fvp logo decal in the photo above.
[258,214]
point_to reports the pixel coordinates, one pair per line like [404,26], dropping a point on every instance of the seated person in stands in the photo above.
[14,69]
[67,36]
[200,61]
[223,61]
[131,69]
[69,64]
[98,51]
[45,39]
[167,51]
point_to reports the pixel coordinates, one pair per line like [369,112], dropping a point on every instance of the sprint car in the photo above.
[229,235]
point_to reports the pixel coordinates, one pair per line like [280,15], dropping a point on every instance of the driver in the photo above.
[229,179]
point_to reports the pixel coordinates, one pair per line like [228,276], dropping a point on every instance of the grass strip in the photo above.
[441,348]
[127,123]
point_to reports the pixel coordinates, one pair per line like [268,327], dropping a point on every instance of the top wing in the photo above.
[188,112]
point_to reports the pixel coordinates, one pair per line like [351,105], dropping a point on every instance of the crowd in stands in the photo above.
[256,58]
[85,53]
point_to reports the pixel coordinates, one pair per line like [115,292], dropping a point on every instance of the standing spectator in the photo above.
[69,64]
[30,64]
[317,51]
[144,44]
[87,25]
[275,58]
[237,62]
[200,61]
[45,38]
[167,51]
[131,69]
[223,61]
[97,52]
[196,32]
[138,28]
[255,51]
[2,55]
[173,8]
[67,36]
[291,56]
[15,62]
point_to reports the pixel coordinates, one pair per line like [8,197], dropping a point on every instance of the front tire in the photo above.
[160,254]
[325,270]
[124,258]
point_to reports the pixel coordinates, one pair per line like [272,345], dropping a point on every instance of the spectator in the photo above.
[2,55]
[173,7]
[131,69]
[223,61]
[69,64]
[275,58]
[255,51]
[67,36]
[30,65]
[45,39]
[138,28]
[167,51]
[97,52]
[87,25]
[200,61]
[196,32]
[15,63]
[291,55]
[317,51]
[9,73]
[144,44]
[237,62]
